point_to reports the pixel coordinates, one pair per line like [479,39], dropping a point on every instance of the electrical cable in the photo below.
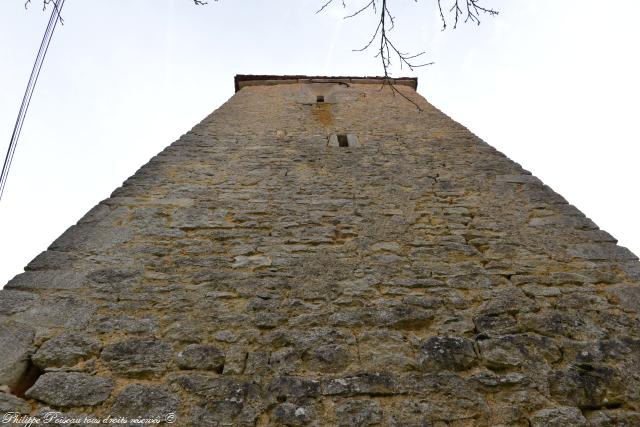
[26,99]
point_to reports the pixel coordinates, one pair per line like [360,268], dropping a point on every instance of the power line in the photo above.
[26,99]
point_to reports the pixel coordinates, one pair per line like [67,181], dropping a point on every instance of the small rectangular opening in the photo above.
[320,98]
[343,141]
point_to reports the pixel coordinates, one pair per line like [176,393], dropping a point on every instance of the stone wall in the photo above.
[250,274]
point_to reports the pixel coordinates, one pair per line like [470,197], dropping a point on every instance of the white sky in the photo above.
[552,84]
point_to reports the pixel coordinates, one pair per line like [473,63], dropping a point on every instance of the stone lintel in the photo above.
[243,80]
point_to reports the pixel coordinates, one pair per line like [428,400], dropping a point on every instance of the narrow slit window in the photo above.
[343,140]
[320,98]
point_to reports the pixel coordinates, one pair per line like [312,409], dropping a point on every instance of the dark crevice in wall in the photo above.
[28,379]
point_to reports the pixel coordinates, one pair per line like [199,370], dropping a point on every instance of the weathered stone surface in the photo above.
[446,353]
[294,387]
[254,261]
[214,388]
[131,325]
[65,350]
[11,403]
[512,351]
[358,413]
[137,358]
[235,360]
[52,260]
[186,331]
[91,237]
[441,398]
[145,401]
[389,315]
[204,357]
[509,301]
[258,363]
[628,296]
[559,417]
[366,383]
[568,323]
[329,358]
[496,324]
[613,418]
[289,414]
[224,400]
[68,313]
[409,413]
[16,346]
[518,179]
[54,279]
[602,251]
[588,386]
[491,380]
[113,276]
[385,348]
[265,277]
[69,389]
[12,302]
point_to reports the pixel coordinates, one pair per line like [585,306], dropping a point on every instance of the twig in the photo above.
[386,48]
[471,9]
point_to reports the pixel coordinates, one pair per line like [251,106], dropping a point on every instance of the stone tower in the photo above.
[319,252]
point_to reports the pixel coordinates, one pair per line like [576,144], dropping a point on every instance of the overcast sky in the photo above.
[552,84]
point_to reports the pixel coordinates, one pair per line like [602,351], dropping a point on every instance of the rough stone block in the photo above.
[145,401]
[447,353]
[137,357]
[47,279]
[588,386]
[602,251]
[11,403]
[203,357]
[12,302]
[358,413]
[69,389]
[65,350]
[16,346]
[559,417]
[627,295]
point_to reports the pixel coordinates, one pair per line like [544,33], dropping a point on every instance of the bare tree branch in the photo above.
[386,50]
[471,10]
[467,10]
[327,4]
